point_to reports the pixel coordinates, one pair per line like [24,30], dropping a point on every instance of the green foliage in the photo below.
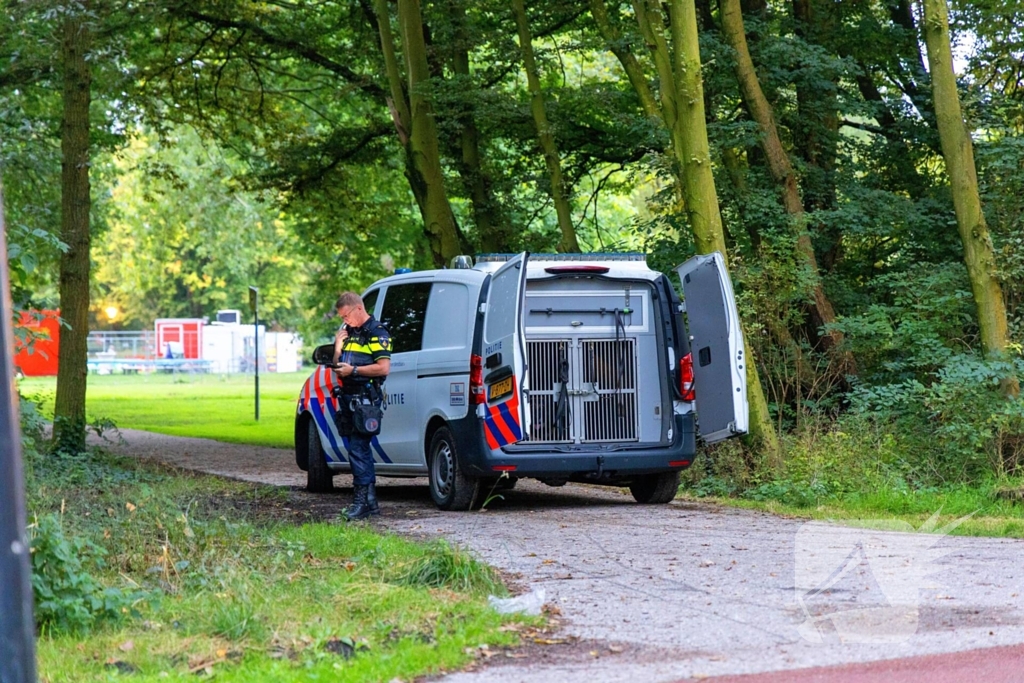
[184,239]
[923,317]
[68,597]
[957,428]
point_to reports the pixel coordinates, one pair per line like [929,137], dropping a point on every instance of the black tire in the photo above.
[319,478]
[449,487]
[655,489]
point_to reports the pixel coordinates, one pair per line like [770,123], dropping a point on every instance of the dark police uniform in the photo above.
[365,345]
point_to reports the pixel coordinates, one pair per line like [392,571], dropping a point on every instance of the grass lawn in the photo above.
[210,406]
[986,513]
[148,574]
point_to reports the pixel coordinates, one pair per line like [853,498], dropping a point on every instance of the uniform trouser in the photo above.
[361,456]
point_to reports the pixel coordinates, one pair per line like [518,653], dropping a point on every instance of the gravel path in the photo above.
[687,590]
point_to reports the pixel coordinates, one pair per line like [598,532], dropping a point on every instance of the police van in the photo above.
[569,367]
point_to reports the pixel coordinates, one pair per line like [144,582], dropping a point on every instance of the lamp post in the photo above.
[17,644]
[254,304]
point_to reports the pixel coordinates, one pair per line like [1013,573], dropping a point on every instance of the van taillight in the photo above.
[476,380]
[686,378]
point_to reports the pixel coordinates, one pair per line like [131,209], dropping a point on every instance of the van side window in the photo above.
[448,323]
[370,300]
[405,307]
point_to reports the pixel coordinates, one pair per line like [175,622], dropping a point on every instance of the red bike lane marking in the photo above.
[989,665]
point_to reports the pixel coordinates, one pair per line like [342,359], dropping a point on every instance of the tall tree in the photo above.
[958,152]
[681,96]
[69,407]
[777,158]
[493,227]
[420,131]
[553,162]
[699,183]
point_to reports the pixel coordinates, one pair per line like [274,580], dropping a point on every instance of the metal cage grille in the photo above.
[609,370]
[599,401]
[549,360]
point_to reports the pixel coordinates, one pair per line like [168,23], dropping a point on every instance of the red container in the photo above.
[179,338]
[40,358]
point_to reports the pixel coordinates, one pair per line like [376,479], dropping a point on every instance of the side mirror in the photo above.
[324,355]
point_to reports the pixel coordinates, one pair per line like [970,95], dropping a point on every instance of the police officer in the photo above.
[362,356]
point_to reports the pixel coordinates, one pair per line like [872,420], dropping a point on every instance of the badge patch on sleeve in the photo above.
[385,343]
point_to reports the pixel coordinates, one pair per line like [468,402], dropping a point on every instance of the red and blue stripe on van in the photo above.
[317,397]
[501,424]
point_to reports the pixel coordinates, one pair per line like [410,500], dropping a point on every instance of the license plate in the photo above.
[500,388]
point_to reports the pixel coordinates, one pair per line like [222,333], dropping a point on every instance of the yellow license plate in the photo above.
[501,388]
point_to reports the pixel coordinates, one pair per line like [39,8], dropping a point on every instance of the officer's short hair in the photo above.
[348,299]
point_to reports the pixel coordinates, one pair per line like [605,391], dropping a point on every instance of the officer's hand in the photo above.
[343,370]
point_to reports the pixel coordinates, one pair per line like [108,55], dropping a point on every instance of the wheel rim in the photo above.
[442,469]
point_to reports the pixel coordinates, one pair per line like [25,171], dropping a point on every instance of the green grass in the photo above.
[209,406]
[229,588]
[987,514]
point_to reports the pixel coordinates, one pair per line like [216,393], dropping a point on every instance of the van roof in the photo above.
[627,265]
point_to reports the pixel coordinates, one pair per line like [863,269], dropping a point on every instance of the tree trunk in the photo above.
[496,234]
[69,408]
[775,154]
[699,184]
[688,132]
[958,152]
[568,242]
[634,72]
[423,167]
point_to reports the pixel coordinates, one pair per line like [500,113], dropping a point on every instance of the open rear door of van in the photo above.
[506,410]
[719,359]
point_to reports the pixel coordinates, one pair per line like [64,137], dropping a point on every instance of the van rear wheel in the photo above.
[449,487]
[318,477]
[655,489]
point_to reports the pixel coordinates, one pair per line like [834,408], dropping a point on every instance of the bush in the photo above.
[958,428]
[67,596]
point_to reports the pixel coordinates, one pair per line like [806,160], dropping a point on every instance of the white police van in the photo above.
[570,367]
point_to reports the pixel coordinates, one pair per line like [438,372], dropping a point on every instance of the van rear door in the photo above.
[506,408]
[719,359]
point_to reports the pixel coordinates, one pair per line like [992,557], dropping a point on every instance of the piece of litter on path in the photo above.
[528,603]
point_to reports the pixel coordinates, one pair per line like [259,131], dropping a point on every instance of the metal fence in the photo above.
[108,345]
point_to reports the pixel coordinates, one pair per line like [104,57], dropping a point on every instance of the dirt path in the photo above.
[687,590]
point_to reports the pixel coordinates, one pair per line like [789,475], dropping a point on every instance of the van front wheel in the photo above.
[655,489]
[319,478]
[449,487]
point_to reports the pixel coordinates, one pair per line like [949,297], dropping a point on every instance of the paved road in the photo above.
[692,590]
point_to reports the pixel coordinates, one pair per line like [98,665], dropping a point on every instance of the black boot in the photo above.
[364,503]
[371,499]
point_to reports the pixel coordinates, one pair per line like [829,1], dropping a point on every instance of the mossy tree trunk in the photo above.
[777,158]
[76,203]
[413,114]
[699,186]
[680,105]
[958,152]
[568,242]
[496,233]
